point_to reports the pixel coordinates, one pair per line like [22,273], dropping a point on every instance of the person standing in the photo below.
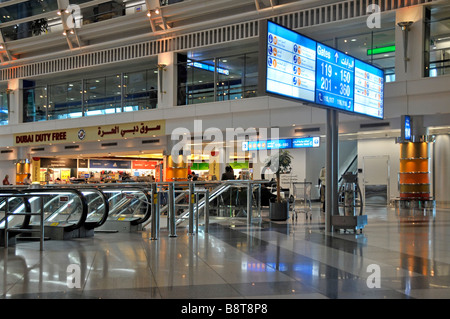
[6,180]
[229,174]
[322,178]
[27,180]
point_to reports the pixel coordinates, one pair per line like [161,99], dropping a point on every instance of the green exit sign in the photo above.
[390,48]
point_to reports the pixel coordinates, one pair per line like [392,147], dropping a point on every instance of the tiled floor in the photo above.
[293,259]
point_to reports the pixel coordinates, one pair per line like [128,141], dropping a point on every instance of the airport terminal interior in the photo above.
[239,149]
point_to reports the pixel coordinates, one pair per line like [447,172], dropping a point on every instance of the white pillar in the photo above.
[167,80]
[15,96]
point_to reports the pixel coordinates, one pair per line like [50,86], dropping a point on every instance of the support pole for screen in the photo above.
[332,166]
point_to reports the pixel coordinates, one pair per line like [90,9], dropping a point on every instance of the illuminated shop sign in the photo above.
[93,133]
[109,164]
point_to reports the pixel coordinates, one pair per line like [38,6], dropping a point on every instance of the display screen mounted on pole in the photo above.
[300,68]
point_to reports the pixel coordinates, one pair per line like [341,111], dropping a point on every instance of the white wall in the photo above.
[7,168]
[381,147]
[442,170]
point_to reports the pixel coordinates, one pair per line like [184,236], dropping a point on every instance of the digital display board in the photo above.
[301,68]
[407,127]
[304,142]
[279,144]
[334,78]
[300,142]
[291,63]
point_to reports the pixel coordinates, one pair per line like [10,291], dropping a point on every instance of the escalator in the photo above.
[129,207]
[115,207]
[64,212]
[98,208]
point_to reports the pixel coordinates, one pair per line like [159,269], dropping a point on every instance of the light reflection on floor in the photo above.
[292,259]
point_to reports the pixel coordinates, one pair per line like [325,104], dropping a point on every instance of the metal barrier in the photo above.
[195,205]
[176,191]
[25,230]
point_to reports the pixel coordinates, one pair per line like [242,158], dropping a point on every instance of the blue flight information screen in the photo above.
[291,63]
[334,78]
[301,68]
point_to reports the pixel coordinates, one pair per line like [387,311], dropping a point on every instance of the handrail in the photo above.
[23,230]
[142,187]
[92,225]
[33,192]
[25,203]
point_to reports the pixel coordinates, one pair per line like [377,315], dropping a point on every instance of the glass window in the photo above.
[230,75]
[251,75]
[102,95]
[439,42]
[140,90]
[26,9]
[3,106]
[199,81]
[375,47]
[65,100]
[235,77]
[35,104]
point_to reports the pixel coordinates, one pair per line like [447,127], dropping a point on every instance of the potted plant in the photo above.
[279,163]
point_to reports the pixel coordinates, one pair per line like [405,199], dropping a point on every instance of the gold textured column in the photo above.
[414,177]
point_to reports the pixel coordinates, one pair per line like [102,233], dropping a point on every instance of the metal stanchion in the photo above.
[206,211]
[191,208]
[6,222]
[249,204]
[154,231]
[197,213]
[171,213]
[41,217]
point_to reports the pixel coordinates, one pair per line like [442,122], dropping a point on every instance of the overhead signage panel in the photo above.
[305,142]
[291,63]
[303,69]
[334,78]
[300,142]
[92,133]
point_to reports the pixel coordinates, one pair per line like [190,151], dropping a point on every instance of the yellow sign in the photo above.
[93,133]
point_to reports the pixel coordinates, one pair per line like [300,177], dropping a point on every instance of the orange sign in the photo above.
[143,164]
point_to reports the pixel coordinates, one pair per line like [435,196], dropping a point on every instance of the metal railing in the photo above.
[8,229]
[210,191]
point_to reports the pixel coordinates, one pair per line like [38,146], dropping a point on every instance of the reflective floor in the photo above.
[395,257]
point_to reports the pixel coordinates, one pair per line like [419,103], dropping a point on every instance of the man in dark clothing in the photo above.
[229,174]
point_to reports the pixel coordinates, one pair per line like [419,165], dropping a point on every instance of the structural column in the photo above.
[167,80]
[332,166]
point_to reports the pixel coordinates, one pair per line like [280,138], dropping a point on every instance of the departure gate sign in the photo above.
[303,69]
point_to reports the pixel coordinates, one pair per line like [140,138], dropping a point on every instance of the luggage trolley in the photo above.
[302,199]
